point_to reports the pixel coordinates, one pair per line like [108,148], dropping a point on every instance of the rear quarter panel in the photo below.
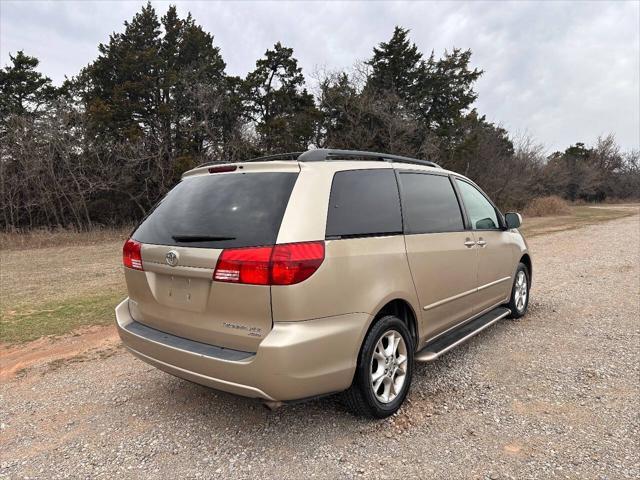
[357,275]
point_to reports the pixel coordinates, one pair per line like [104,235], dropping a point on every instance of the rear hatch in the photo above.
[180,243]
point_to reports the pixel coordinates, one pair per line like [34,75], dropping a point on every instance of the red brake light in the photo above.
[131,257]
[294,262]
[285,264]
[223,168]
[244,265]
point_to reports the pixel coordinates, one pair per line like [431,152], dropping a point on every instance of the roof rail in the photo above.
[277,156]
[331,154]
[323,154]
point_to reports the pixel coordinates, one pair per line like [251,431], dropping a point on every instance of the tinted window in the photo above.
[481,213]
[242,209]
[364,202]
[429,204]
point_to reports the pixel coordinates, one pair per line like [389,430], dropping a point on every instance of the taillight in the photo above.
[131,257]
[285,264]
[244,265]
[294,262]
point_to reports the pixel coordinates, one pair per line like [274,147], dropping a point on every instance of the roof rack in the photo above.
[277,156]
[266,158]
[324,154]
[332,154]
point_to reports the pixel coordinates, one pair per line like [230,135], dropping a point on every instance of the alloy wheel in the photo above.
[521,291]
[388,369]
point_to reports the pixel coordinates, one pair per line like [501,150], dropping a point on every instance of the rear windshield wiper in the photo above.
[201,238]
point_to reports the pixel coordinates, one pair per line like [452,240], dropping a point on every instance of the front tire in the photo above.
[519,300]
[384,371]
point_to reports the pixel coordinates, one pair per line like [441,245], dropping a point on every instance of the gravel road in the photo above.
[553,395]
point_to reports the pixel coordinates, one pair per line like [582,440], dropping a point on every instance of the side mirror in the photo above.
[513,220]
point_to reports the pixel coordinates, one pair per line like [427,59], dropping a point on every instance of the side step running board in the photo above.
[444,343]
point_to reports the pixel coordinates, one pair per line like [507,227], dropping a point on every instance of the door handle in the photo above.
[469,243]
[481,242]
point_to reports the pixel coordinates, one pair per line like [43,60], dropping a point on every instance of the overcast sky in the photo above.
[561,72]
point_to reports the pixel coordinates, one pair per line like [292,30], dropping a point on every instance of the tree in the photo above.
[446,91]
[435,94]
[397,67]
[486,154]
[141,82]
[144,93]
[628,178]
[607,161]
[109,143]
[23,90]
[342,111]
[190,63]
[277,102]
[573,173]
[122,96]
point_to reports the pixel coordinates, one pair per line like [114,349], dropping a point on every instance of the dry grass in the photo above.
[547,206]
[53,290]
[579,216]
[43,238]
[608,201]
[37,276]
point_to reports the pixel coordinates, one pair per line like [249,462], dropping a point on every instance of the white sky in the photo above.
[562,72]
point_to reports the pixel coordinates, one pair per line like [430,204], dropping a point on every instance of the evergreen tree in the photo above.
[397,67]
[191,65]
[339,108]
[278,103]
[123,95]
[148,83]
[436,94]
[23,90]
[153,98]
[446,91]
[482,145]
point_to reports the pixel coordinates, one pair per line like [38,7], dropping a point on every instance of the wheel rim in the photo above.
[388,370]
[521,291]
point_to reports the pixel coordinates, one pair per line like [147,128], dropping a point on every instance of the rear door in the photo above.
[493,244]
[181,241]
[441,256]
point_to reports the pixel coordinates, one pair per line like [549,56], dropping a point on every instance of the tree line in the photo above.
[103,147]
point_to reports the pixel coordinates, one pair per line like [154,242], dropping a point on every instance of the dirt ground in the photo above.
[553,395]
[17,358]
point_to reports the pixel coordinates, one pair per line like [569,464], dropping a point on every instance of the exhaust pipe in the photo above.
[272,405]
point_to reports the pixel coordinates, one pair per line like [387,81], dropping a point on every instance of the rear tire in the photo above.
[519,300]
[384,371]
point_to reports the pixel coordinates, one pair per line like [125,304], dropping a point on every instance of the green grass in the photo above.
[25,324]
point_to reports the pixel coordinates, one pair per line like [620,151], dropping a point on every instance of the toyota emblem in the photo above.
[171,258]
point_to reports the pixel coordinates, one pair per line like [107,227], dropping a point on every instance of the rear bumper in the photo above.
[295,360]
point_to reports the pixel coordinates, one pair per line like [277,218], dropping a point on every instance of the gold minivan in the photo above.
[294,276]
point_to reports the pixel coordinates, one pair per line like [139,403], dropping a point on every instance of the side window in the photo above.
[429,204]
[364,202]
[481,213]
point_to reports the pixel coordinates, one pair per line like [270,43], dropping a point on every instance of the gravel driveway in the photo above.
[554,395]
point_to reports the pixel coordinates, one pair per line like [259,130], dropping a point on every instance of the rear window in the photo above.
[220,211]
[364,203]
